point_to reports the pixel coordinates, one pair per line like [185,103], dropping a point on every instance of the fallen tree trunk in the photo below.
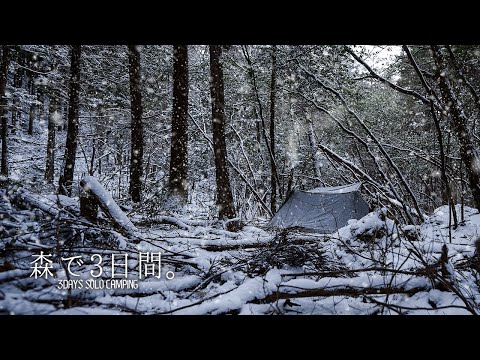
[28,200]
[346,291]
[94,194]
[258,245]
[167,220]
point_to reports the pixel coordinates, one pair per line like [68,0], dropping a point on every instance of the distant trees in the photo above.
[136,153]
[65,181]
[179,139]
[17,85]
[273,167]
[276,117]
[3,106]
[226,209]
[454,107]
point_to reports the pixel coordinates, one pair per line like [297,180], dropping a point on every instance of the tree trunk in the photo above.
[3,106]
[443,171]
[31,118]
[94,195]
[66,181]
[468,152]
[17,84]
[273,168]
[49,163]
[251,74]
[224,193]
[136,155]
[33,92]
[179,142]
[314,149]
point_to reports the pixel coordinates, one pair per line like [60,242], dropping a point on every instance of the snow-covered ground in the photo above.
[367,267]
[371,266]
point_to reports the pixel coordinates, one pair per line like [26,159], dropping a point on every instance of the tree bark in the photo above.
[66,181]
[314,150]
[49,163]
[17,84]
[224,193]
[179,150]
[468,152]
[136,155]
[3,106]
[31,118]
[273,168]
[33,92]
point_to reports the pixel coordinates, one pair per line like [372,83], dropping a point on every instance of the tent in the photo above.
[322,210]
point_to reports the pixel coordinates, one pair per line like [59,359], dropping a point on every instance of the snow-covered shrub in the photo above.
[411,232]
[373,226]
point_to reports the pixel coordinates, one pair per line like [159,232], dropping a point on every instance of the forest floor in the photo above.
[366,267]
[371,266]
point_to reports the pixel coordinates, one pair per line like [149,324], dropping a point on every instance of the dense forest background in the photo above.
[225,133]
[140,119]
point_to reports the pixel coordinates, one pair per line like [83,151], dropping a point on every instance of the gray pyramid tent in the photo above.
[322,210]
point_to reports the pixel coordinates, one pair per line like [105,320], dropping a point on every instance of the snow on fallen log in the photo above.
[250,290]
[28,199]
[170,220]
[14,274]
[354,287]
[96,193]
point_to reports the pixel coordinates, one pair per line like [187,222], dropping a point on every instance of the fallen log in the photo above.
[94,195]
[167,220]
[345,291]
[29,200]
[257,245]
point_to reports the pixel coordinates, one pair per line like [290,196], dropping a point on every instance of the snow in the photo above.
[213,268]
[392,261]
[251,289]
[342,189]
[92,184]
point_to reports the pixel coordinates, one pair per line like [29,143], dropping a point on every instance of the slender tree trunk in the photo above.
[33,93]
[443,169]
[50,160]
[3,106]
[251,74]
[273,168]
[468,152]
[31,118]
[65,182]
[224,193]
[314,149]
[17,84]
[136,154]
[258,129]
[179,151]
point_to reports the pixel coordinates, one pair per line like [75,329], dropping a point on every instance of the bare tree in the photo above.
[251,74]
[225,205]
[468,152]
[3,105]
[179,142]
[443,170]
[65,182]
[136,156]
